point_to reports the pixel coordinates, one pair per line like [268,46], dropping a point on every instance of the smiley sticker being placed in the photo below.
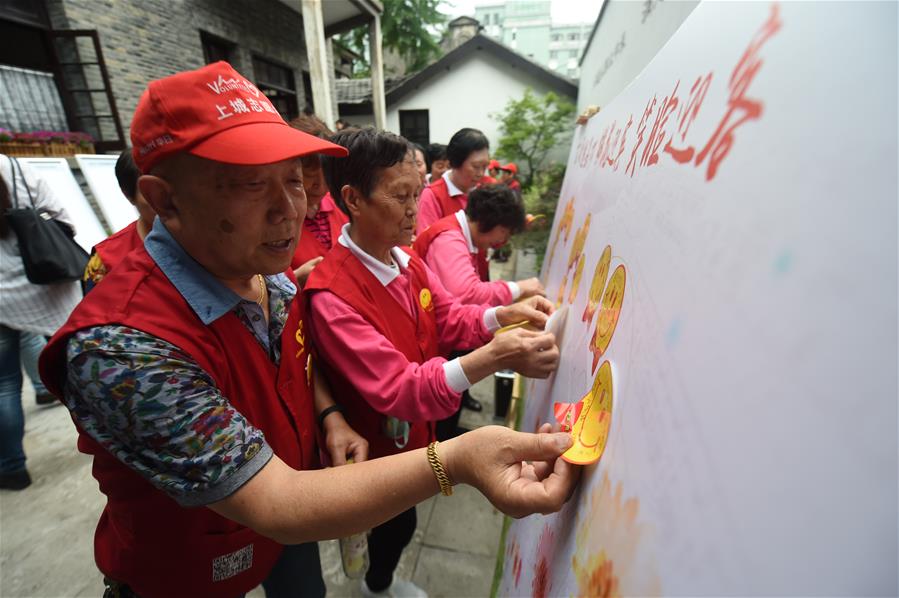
[567,414]
[609,312]
[599,283]
[592,420]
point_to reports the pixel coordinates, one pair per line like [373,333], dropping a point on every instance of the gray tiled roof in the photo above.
[358,91]
[353,91]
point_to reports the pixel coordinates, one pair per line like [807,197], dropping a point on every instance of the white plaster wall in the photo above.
[466,95]
[628,38]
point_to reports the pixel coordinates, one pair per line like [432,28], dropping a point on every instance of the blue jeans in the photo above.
[16,349]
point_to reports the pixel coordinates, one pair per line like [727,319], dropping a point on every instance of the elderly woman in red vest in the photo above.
[469,154]
[323,220]
[450,247]
[380,320]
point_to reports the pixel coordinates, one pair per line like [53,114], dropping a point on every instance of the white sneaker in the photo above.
[400,588]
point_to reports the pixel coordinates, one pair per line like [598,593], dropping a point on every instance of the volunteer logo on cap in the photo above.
[215,113]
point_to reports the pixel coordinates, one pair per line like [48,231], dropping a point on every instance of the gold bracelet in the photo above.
[445,486]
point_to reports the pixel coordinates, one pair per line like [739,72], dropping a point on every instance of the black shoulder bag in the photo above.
[47,246]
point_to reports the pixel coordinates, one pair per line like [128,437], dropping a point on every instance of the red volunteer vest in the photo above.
[344,275]
[144,538]
[449,206]
[114,249]
[309,246]
[447,223]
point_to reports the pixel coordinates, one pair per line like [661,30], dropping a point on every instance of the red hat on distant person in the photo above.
[215,113]
[510,167]
[493,165]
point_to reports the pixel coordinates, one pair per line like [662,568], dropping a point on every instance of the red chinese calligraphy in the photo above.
[686,118]
[641,128]
[614,163]
[607,146]
[603,142]
[585,150]
[740,108]
[657,133]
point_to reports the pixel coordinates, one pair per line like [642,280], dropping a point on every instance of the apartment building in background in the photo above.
[526,26]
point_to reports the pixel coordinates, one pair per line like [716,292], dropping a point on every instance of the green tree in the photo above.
[532,127]
[540,199]
[411,28]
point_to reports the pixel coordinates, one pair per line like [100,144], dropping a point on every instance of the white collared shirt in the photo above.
[466,230]
[384,273]
[455,375]
[453,190]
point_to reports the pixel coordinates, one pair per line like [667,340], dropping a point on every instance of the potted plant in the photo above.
[45,143]
[19,144]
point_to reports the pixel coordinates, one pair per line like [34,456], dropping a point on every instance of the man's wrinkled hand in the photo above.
[520,474]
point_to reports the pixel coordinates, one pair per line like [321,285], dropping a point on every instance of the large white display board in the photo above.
[99,172]
[726,241]
[56,172]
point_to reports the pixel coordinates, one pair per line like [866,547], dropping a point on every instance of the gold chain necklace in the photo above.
[261,299]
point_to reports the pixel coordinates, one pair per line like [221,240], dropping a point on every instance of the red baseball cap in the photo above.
[215,113]
[493,164]
[510,167]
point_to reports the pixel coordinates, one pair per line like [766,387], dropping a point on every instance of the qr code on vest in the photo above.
[229,565]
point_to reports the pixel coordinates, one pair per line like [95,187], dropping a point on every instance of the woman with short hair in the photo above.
[450,247]
[379,320]
[468,153]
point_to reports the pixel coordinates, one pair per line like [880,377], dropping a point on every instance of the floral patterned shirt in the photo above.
[155,408]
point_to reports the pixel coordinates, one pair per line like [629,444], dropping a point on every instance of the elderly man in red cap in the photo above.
[187,375]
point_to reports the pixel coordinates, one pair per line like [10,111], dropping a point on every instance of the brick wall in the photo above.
[148,39]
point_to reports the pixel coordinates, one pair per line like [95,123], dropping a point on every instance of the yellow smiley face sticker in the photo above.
[576,282]
[590,432]
[567,219]
[424,297]
[564,227]
[580,238]
[599,283]
[609,312]
[561,296]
